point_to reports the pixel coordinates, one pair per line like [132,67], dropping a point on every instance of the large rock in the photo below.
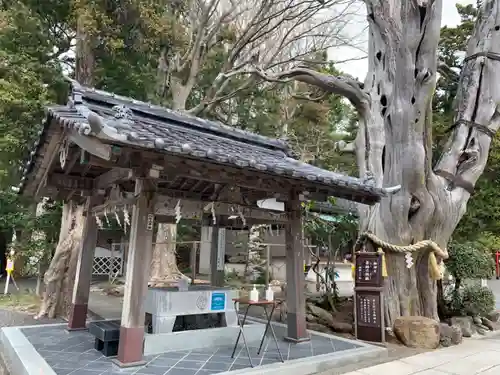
[482,331]
[488,323]
[449,335]
[465,323]
[318,327]
[494,316]
[417,332]
[324,317]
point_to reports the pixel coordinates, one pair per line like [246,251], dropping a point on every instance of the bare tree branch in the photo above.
[344,86]
[272,34]
[445,70]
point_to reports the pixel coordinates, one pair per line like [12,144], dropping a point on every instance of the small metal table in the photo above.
[264,304]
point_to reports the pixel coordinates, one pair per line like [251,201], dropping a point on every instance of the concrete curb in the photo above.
[23,359]
[315,364]
[316,333]
[20,356]
[312,365]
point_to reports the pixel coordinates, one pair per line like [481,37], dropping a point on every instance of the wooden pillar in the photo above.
[81,288]
[268,264]
[205,249]
[193,263]
[295,296]
[217,254]
[130,349]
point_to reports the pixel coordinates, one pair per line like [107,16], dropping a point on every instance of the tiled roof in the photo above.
[127,121]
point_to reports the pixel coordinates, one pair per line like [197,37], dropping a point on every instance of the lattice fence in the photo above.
[107,266]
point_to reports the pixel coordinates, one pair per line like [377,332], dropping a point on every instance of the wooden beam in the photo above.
[217,253]
[192,260]
[91,145]
[71,163]
[62,181]
[193,208]
[114,175]
[140,251]
[81,288]
[52,150]
[295,297]
[111,204]
[175,166]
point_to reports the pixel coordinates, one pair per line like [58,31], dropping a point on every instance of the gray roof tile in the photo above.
[149,126]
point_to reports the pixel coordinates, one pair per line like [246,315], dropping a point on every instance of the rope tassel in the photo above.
[434,269]
[384,265]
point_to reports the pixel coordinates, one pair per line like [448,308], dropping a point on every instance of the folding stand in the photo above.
[264,304]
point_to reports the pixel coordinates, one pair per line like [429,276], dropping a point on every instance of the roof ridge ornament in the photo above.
[123,115]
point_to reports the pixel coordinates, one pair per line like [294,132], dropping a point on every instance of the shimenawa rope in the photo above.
[434,269]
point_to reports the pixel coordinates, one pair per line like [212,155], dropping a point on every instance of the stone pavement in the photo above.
[474,356]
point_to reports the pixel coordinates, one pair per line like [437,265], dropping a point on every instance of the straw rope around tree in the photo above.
[435,251]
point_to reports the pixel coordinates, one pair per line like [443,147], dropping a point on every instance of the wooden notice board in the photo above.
[369,298]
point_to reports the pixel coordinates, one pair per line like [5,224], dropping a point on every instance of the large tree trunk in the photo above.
[164,268]
[394,139]
[393,144]
[60,275]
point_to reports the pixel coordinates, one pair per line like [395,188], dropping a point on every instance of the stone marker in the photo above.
[417,332]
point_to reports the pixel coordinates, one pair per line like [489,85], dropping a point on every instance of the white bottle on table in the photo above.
[254,294]
[269,293]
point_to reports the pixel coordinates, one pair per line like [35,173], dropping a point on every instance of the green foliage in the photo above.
[473,300]
[478,300]
[468,261]
[337,233]
[489,242]
[30,78]
[13,213]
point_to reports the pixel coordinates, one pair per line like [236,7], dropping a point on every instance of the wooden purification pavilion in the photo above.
[109,151]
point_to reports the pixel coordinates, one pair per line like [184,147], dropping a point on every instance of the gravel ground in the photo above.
[9,318]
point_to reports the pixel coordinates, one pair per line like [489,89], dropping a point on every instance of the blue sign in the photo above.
[218,302]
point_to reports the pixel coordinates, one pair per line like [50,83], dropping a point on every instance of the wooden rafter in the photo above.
[112,176]
[91,145]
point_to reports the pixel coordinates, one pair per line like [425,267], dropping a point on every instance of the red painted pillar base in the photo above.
[131,347]
[78,317]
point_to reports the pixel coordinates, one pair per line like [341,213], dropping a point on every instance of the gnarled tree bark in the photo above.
[164,268]
[394,142]
[60,275]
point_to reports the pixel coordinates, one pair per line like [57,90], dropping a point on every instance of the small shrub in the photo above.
[467,261]
[477,300]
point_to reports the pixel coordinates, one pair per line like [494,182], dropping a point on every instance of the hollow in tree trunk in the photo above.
[60,276]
